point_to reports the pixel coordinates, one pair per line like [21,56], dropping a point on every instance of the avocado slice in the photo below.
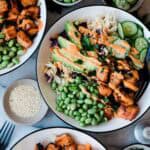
[87,65]
[64,43]
[73,34]
[57,57]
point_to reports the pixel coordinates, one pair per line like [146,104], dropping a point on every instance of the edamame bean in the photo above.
[66,112]
[4,63]
[84,114]
[88,121]
[82,119]
[15,60]
[101,113]
[14,49]
[88,101]
[92,111]
[101,106]
[2,35]
[5,57]
[91,89]
[77,118]
[82,124]
[94,122]
[67,101]
[5,52]
[1,67]
[72,107]
[11,43]
[76,113]
[97,117]
[82,95]
[81,110]
[71,113]
[20,52]
[10,65]
[11,54]
[85,106]
[1,48]
[59,109]
[80,101]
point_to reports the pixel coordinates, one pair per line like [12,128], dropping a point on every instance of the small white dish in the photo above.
[19,120]
[46,136]
[136,147]
[66,4]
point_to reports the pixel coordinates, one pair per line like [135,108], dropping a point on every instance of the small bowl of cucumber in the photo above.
[127,5]
[67,3]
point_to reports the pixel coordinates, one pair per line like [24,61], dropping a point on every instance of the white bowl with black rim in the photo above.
[36,41]
[48,135]
[65,3]
[44,54]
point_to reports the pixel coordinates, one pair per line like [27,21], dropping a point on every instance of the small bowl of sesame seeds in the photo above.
[23,103]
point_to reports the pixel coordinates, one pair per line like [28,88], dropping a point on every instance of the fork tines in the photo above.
[6,133]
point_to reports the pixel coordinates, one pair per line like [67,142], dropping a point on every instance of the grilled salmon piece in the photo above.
[84,147]
[115,79]
[3,6]
[123,98]
[33,31]
[27,24]
[102,73]
[128,113]
[104,90]
[10,32]
[71,147]
[52,147]
[23,39]
[26,3]
[64,140]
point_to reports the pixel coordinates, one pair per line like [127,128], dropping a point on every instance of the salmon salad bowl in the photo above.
[92,68]
[22,25]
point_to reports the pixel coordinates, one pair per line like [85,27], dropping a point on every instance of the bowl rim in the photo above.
[131,10]
[10,88]
[66,4]
[44,30]
[82,129]
[135,144]
[57,127]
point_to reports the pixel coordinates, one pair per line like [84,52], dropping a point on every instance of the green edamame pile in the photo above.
[125,4]
[74,103]
[10,52]
[67,1]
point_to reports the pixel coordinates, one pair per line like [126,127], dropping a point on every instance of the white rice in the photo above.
[24,101]
[99,23]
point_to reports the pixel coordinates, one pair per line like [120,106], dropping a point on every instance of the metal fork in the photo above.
[5,134]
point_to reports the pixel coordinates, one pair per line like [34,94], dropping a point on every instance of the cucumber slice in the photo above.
[131,1]
[123,4]
[129,28]
[120,31]
[141,43]
[143,55]
[139,33]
